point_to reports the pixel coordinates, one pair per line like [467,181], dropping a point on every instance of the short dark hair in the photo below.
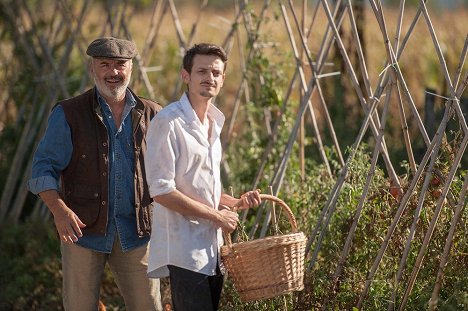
[203,49]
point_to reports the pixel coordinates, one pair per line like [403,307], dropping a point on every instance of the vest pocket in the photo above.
[85,201]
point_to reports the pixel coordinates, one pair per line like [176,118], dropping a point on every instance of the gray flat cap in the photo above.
[110,47]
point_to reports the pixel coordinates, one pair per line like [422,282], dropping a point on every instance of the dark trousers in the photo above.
[193,291]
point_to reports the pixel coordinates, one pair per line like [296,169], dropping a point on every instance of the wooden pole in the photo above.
[462,203]
[304,87]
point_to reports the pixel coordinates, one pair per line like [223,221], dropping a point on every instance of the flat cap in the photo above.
[110,47]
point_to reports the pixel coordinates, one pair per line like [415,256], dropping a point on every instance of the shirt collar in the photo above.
[130,101]
[213,113]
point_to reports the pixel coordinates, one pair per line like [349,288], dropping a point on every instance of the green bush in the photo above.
[31,275]
[307,198]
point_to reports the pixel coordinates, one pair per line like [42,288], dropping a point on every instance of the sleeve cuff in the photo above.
[43,183]
[161,186]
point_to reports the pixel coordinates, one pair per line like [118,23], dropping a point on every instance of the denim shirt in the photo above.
[54,153]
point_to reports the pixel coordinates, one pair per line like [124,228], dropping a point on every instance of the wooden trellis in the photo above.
[47,54]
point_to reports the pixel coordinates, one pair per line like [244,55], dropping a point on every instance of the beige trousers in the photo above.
[82,271]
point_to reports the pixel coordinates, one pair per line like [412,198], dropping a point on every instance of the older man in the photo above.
[95,143]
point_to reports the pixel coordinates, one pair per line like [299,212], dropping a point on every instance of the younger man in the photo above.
[183,173]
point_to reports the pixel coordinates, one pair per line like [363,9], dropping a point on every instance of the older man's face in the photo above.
[111,76]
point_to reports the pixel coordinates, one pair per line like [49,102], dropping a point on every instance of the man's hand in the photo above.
[68,224]
[227,220]
[66,221]
[249,199]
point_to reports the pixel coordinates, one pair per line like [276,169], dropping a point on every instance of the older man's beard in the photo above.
[116,93]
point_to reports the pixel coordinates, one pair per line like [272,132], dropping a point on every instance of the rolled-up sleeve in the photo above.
[52,155]
[160,156]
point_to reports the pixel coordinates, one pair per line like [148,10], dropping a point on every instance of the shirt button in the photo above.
[83,156]
[103,202]
[104,144]
[96,195]
[104,174]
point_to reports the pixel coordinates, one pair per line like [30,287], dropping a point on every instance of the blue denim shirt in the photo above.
[54,152]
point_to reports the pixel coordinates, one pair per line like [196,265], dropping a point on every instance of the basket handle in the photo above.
[284,206]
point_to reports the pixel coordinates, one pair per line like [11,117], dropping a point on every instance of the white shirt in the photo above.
[180,156]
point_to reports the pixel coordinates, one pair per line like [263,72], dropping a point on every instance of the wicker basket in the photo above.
[267,267]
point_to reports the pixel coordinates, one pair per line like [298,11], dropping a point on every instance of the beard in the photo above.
[115,93]
[207,94]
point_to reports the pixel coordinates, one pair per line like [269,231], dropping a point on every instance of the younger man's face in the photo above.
[207,76]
